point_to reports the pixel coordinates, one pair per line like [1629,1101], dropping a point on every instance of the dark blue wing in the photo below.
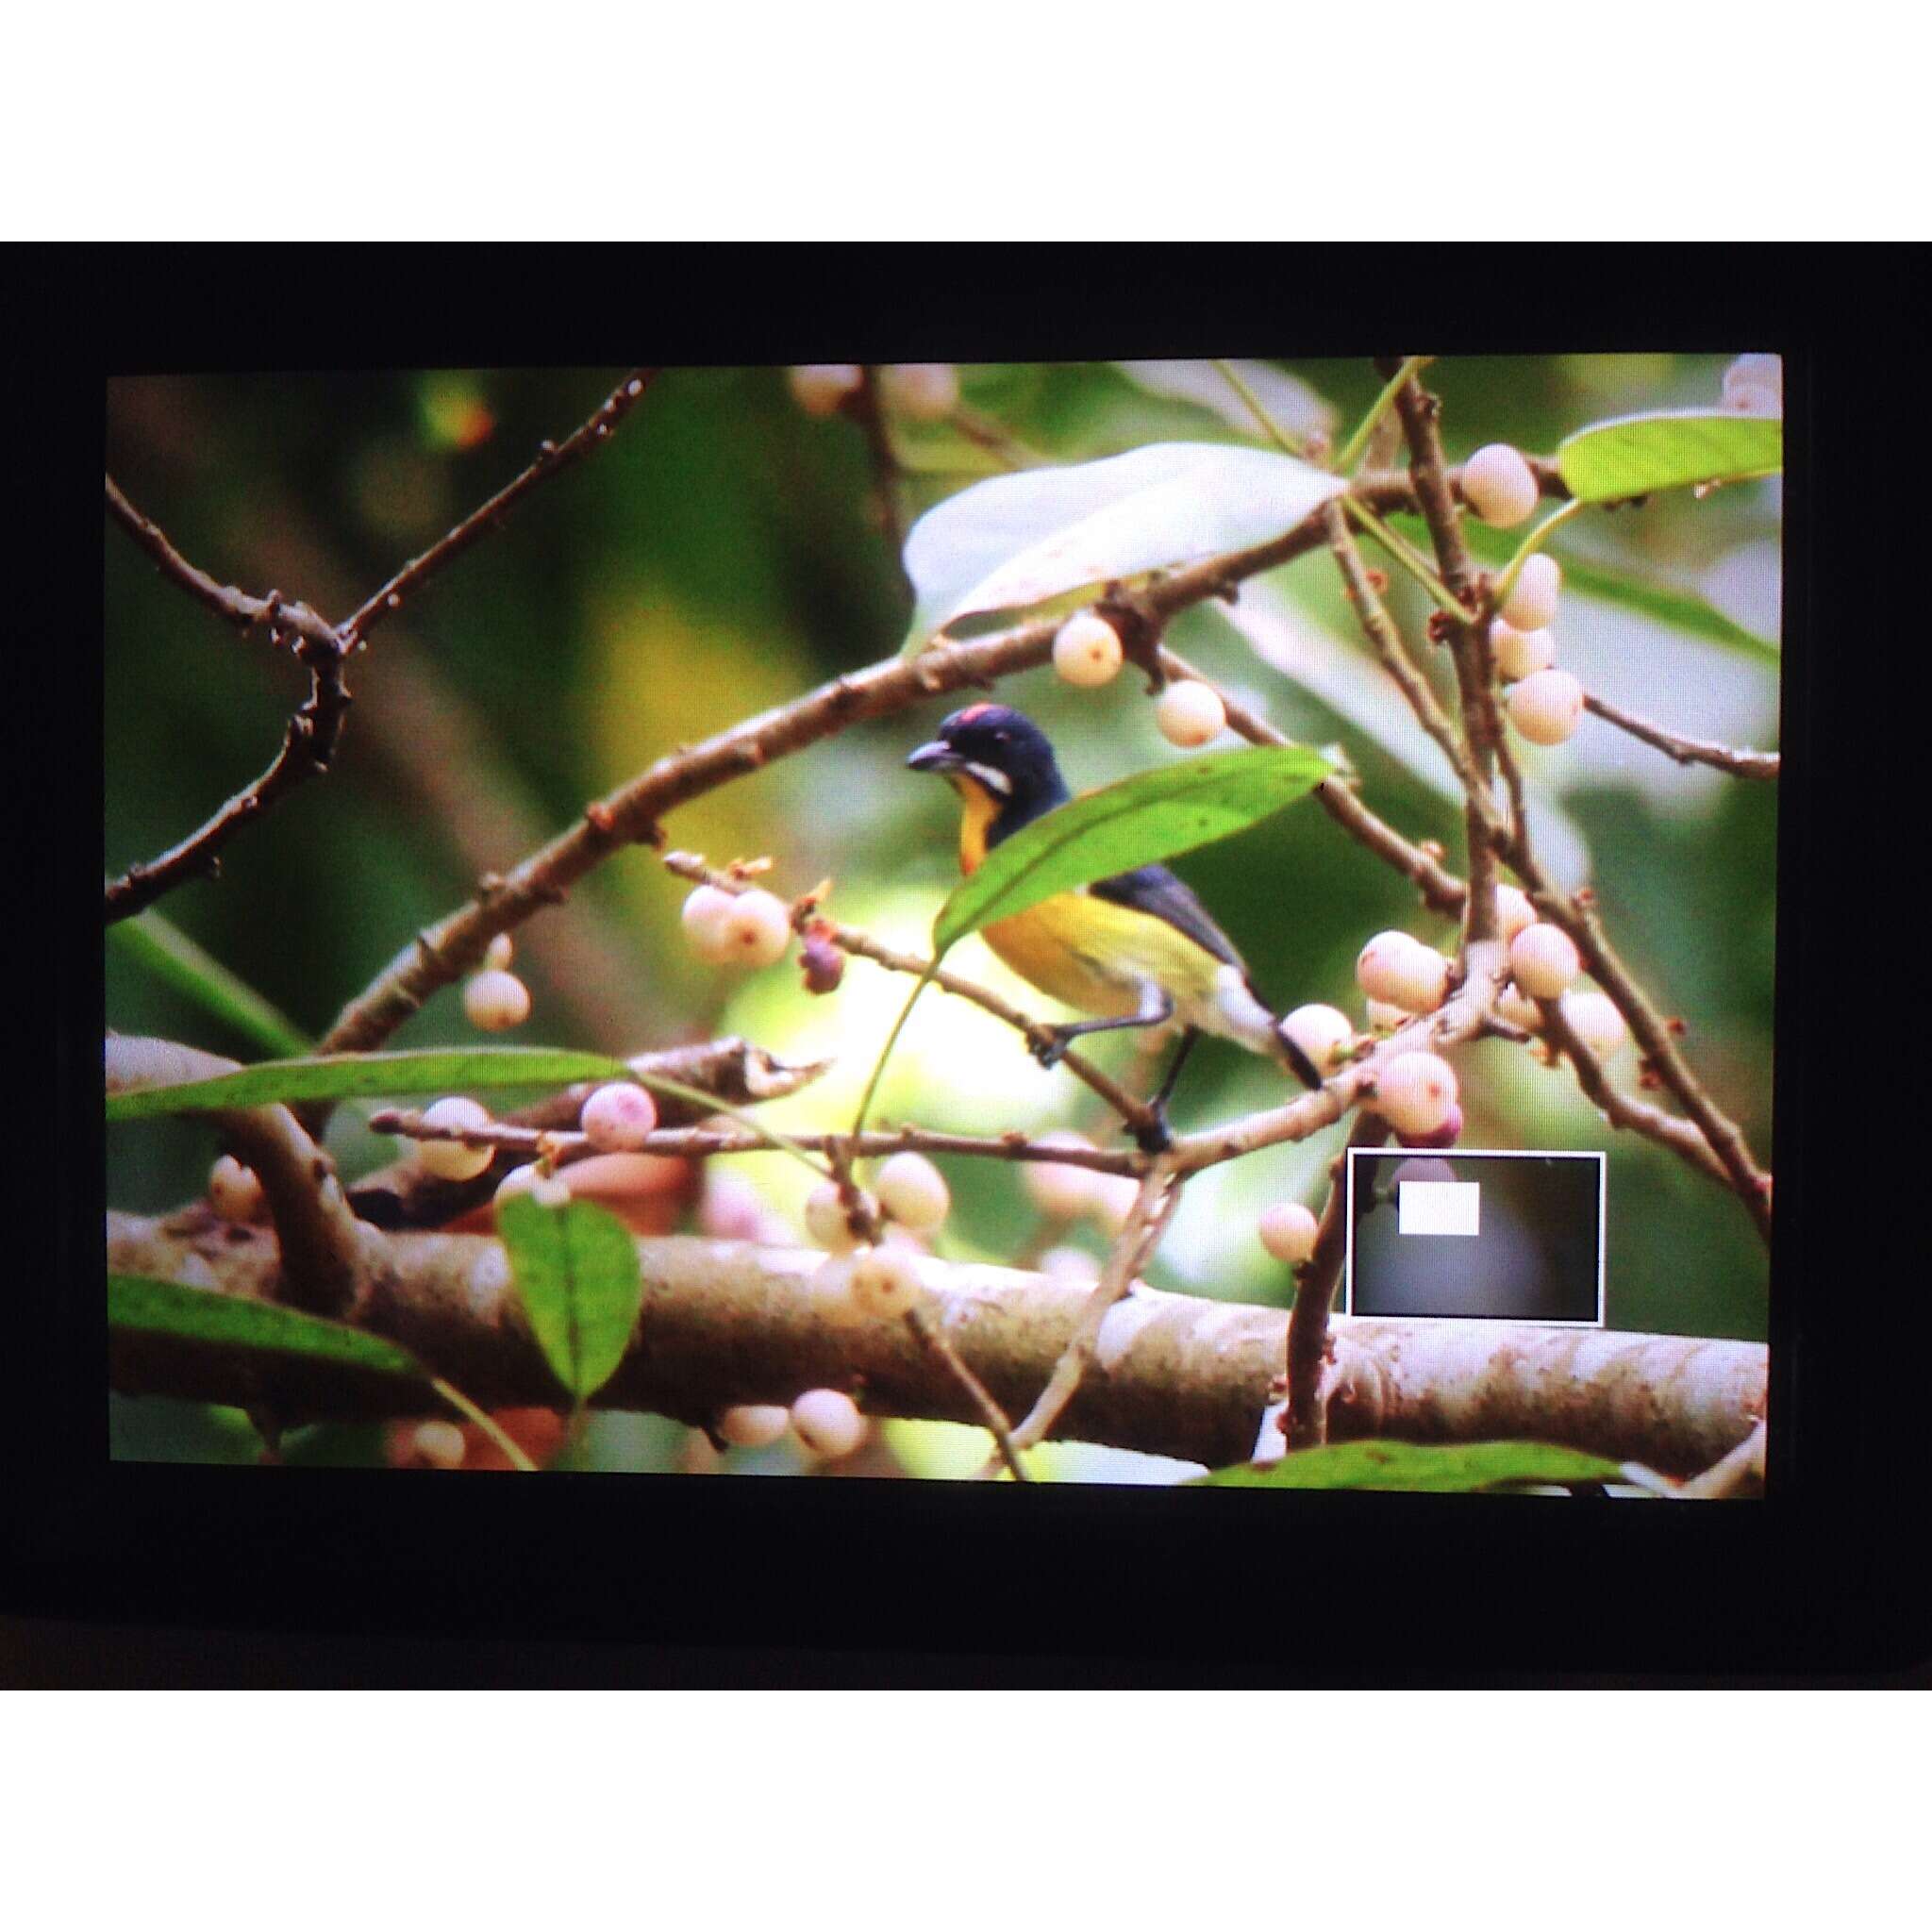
[1153,888]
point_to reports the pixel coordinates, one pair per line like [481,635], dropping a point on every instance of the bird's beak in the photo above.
[936,756]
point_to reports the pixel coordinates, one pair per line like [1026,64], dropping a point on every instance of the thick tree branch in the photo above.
[325,1254]
[726,1323]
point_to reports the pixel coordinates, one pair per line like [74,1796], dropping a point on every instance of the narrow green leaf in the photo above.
[1634,455]
[1672,604]
[229,1321]
[577,1274]
[1141,820]
[1455,1466]
[1015,540]
[338,1077]
[170,956]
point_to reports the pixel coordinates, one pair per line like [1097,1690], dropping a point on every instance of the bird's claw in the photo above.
[1156,1136]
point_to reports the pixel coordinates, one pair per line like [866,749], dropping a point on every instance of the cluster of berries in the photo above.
[1087,652]
[927,391]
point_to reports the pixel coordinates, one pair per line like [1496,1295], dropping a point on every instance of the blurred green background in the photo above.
[722,555]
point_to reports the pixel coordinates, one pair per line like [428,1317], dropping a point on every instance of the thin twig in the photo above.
[866,405]
[1686,751]
[933,1338]
[549,458]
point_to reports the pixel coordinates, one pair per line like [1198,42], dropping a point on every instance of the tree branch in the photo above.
[1686,751]
[727,1323]
[325,1254]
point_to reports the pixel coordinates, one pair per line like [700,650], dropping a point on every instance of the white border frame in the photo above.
[1603,1220]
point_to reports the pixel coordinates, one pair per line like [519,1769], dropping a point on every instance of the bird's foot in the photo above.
[1156,1136]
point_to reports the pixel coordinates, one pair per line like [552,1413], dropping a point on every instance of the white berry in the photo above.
[1521,653]
[1595,1020]
[820,388]
[234,1191]
[452,1160]
[1544,960]
[618,1117]
[1513,911]
[1324,1033]
[1397,968]
[829,1290]
[497,1001]
[1755,386]
[1500,486]
[702,918]
[1069,1264]
[885,1282]
[1532,601]
[1189,713]
[547,1190]
[759,930]
[1385,1017]
[913,1192]
[498,953]
[828,1422]
[1059,1189]
[754,1425]
[927,391]
[1416,1093]
[1087,650]
[826,1220]
[1515,1006]
[1287,1232]
[1546,707]
[441,1444]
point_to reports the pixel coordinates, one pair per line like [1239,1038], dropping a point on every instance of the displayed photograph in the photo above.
[1200,923]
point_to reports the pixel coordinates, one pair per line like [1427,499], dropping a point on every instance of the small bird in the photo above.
[1137,949]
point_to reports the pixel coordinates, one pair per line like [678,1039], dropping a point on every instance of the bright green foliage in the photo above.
[231,1321]
[1140,821]
[340,1075]
[575,1270]
[1421,1466]
[1636,455]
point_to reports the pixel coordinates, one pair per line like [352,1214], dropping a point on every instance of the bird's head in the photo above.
[1000,752]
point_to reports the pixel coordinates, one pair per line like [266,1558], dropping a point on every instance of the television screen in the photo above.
[1144,922]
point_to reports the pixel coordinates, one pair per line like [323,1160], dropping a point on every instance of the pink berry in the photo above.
[754,1425]
[499,952]
[913,1192]
[927,391]
[1594,1019]
[885,1282]
[1059,1189]
[1544,960]
[1500,486]
[454,1161]
[1446,1136]
[1521,653]
[1324,1033]
[829,1422]
[1416,1093]
[1287,1231]
[820,388]
[441,1444]
[1531,604]
[1513,911]
[1546,707]
[618,1117]
[497,1001]
[702,918]
[234,1191]
[759,930]
[1189,713]
[827,1221]
[1397,968]
[1087,650]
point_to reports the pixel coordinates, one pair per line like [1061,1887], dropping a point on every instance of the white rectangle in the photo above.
[1437,1207]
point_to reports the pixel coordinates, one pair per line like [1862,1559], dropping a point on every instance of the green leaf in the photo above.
[1682,610]
[1141,820]
[1018,539]
[1634,455]
[1421,1466]
[229,1321]
[337,1076]
[170,955]
[576,1273]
